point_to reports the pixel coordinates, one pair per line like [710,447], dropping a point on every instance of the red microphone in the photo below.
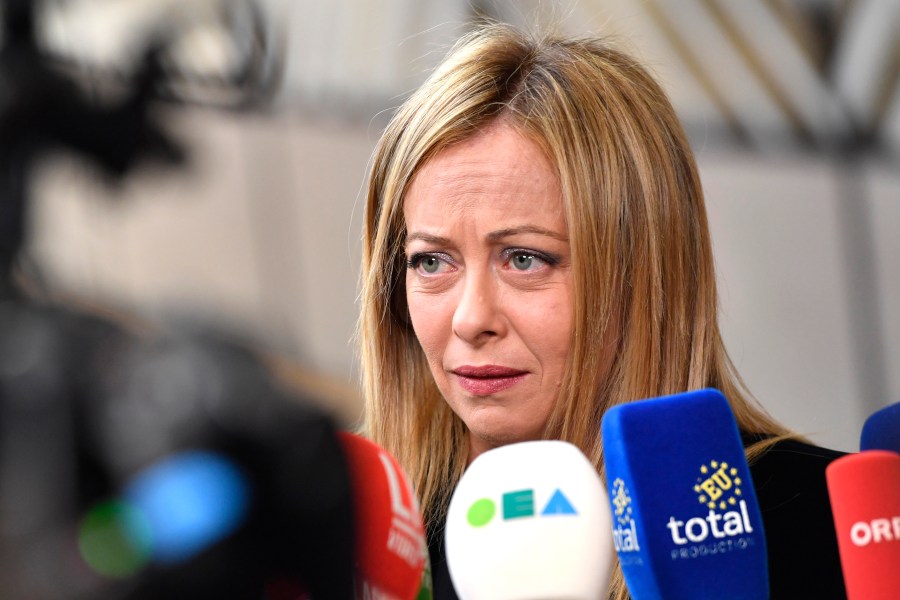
[391,551]
[865,500]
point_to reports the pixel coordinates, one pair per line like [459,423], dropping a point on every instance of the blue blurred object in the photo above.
[881,431]
[191,500]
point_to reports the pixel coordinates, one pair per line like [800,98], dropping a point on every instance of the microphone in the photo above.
[687,524]
[864,489]
[391,550]
[881,431]
[529,521]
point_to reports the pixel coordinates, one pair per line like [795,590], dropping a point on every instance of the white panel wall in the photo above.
[787,312]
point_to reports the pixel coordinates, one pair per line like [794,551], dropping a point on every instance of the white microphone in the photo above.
[530,521]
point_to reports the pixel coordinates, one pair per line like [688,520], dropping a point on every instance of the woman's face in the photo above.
[489,283]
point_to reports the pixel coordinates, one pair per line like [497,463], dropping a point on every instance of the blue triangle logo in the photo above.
[558,505]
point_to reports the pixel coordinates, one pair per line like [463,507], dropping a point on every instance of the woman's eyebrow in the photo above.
[494,236]
[427,237]
[498,235]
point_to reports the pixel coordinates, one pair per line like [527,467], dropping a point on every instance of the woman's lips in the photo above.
[488,379]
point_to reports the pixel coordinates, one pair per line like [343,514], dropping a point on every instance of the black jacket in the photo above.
[800,538]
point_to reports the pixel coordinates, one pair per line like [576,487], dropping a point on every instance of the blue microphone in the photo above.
[686,522]
[881,431]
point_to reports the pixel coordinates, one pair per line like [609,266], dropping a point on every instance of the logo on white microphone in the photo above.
[519,504]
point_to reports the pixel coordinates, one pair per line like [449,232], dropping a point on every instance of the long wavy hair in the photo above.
[642,260]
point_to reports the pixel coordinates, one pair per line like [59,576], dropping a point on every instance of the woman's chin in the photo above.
[484,436]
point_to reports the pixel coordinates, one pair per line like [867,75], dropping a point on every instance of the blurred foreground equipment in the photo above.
[164,468]
[132,466]
[43,110]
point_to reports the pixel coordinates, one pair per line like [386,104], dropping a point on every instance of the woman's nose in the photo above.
[479,316]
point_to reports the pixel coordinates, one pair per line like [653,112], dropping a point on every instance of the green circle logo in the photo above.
[481,512]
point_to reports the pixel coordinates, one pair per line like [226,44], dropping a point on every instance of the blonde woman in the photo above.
[536,250]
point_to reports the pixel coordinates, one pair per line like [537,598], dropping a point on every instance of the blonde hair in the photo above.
[641,254]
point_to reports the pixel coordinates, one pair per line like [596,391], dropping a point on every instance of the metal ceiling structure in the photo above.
[803,74]
[768,74]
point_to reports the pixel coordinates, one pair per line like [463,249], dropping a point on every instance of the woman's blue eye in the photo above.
[430,264]
[522,261]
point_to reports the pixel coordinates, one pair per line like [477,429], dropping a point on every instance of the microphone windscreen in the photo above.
[528,521]
[881,431]
[390,546]
[864,489]
[686,522]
